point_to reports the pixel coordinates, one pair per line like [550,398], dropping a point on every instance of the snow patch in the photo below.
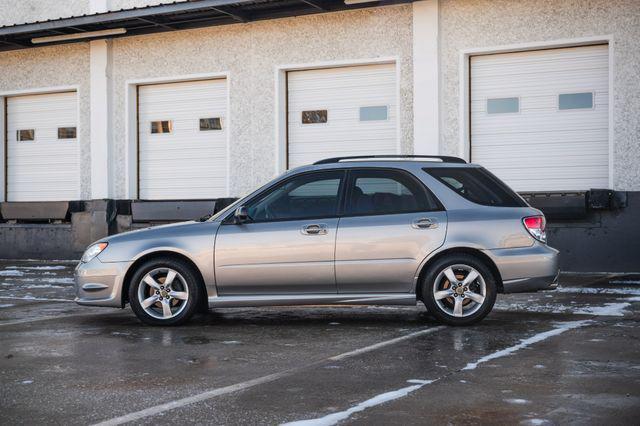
[38,268]
[593,290]
[11,273]
[231,342]
[517,401]
[6,305]
[334,418]
[562,327]
[610,310]
[27,382]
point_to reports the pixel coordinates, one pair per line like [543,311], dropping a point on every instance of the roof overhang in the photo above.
[167,17]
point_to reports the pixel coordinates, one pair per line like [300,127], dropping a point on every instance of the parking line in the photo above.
[152,411]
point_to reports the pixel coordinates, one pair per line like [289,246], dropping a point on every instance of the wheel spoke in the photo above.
[170,276]
[471,277]
[478,298]
[166,309]
[150,281]
[451,276]
[457,308]
[149,301]
[442,294]
[182,295]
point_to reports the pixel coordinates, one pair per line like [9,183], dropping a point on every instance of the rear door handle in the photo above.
[315,229]
[424,223]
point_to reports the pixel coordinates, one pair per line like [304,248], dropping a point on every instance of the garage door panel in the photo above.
[45,168]
[540,147]
[187,163]
[342,92]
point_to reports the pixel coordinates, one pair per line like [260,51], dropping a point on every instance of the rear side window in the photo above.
[477,185]
[375,192]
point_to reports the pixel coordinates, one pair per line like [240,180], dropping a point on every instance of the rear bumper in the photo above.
[100,284]
[527,269]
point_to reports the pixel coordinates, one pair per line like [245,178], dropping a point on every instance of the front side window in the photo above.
[375,192]
[307,196]
[477,185]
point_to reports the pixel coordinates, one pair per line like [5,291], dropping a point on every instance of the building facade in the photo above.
[169,104]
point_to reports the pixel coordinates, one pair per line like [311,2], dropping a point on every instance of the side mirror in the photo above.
[241,215]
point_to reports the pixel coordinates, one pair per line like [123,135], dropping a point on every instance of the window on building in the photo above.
[575,100]
[66,132]
[314,117]
[214,123]
[163,126]
[375,192]
[503,105]
[26,135]
[374,113]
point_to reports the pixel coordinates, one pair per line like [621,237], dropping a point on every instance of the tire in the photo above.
[155,304]
[459,303]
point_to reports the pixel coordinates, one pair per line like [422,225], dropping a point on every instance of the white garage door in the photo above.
[43,148]
[341,111]
[539,119]
[182,140]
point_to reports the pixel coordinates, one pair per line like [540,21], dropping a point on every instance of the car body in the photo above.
[341,231]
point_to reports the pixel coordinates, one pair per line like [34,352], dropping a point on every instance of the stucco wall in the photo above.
[54,66]
[471,24]
[21,11]
[250,53]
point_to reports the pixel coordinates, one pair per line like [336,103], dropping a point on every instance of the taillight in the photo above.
[536,225]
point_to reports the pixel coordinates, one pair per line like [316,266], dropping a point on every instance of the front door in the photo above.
[391,223]
[288,245]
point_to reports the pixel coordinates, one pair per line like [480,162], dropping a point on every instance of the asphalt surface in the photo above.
[571,356]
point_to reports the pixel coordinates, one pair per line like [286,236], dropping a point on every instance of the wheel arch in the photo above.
[126,283]
[477,253]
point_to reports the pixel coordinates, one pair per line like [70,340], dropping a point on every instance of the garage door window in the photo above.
[66,132]
[164,126]
[314,117]
[26,135]
[503,105]
[214,123]
[374,113]
[575,101]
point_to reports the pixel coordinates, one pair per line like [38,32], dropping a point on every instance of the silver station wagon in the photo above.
[370,230]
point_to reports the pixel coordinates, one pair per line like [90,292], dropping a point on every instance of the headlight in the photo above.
[93,251]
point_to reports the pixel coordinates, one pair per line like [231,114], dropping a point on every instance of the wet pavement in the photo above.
[571,356]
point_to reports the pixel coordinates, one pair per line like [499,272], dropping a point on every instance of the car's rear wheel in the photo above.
[164,291]
[459,289]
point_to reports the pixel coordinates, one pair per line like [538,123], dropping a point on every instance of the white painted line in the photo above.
[35,299]
[385,343]
[334,418]
[152,411]
[562,327]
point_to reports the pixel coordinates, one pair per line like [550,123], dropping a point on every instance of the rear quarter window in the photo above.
[477,185]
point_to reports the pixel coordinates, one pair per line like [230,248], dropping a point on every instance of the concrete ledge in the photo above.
[170,211]
[39,210]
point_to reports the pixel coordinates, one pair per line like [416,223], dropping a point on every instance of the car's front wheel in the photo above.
[164,291]
[459,289]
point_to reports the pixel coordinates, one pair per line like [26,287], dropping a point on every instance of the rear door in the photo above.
[391,223]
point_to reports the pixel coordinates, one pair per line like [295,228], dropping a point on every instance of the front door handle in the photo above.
[424,223]
[315,229]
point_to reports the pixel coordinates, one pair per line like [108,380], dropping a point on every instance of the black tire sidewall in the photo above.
[429,281]
[192,283]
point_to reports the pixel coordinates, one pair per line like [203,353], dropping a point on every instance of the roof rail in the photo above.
[443,158]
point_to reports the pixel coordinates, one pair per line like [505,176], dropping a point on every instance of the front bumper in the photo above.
[527,269]
[100,284]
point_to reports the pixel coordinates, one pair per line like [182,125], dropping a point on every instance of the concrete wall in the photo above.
[472,24]
[250,53]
